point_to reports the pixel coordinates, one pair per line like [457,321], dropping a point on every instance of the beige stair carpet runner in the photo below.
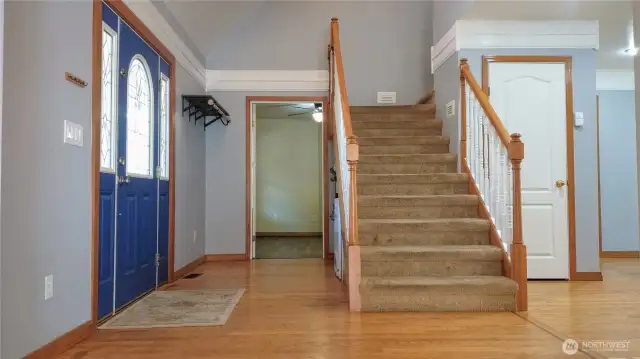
[423,245]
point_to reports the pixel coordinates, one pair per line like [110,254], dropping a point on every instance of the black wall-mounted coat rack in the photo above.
[204,107]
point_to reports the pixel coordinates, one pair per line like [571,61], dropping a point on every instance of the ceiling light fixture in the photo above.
[317,116]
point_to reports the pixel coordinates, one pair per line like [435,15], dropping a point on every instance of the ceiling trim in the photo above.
[500,34]
[152,18]
[611,80]
[267,80]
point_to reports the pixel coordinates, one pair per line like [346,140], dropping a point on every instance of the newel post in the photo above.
[463,112]
[518,248]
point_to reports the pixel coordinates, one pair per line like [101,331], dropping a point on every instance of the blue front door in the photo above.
[134,190]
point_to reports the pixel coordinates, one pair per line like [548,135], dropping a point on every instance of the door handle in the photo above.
[560,183]
[124,180]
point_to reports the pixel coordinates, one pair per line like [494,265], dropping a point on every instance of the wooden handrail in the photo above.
[335,43]
[482,98]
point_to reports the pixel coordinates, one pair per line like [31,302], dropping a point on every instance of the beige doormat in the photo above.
[178,308]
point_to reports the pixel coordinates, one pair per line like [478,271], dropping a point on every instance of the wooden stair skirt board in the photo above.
[63,342]
[620,254]
[288,234]
[424,244]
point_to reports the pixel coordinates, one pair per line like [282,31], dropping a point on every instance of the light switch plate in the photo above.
[48,287]
[579,119]
[73,133]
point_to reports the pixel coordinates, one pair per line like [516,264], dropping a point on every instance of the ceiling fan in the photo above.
[316,111]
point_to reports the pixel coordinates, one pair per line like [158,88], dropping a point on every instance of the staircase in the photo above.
[423,245]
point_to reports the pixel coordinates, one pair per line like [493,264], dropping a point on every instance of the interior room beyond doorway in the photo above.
[287,180]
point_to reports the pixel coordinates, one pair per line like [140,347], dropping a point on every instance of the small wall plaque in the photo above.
[75,80]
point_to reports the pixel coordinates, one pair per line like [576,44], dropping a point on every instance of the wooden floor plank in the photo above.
[297,309]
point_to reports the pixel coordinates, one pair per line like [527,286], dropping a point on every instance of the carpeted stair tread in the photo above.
[433,224]
[423,108]
[403,123]
[412,178]
[403,140]
[482,253]
[493,285]
[418,201]
[408,158]
[377,132]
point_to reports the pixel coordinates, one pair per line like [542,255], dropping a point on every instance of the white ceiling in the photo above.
[284,110]
[614,17]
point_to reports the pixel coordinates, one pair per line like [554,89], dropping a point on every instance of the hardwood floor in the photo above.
[296,309]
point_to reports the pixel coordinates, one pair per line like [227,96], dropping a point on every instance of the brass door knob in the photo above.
[560,183]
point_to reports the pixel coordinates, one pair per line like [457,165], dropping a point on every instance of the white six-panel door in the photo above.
[530,99]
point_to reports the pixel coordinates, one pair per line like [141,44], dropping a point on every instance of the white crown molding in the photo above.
[607,80]
[152,18]
[500,34]
[267,80]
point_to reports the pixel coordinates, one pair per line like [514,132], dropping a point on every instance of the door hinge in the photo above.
[157,259]
[158,172]
[253,123]
[488,90]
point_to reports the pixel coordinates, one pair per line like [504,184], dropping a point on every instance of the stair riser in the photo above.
[398,132]
[435,268]
[392,117]
[403,141]
[407,159]
[412,189]
[414,202]
[407,300]
[370,168]
[395,124]
[418,212]
[423,238]
[411,149]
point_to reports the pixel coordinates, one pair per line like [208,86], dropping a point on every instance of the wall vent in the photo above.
[450,108]
[386,97]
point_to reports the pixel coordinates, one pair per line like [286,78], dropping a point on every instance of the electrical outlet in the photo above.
[48,287]
[195,236]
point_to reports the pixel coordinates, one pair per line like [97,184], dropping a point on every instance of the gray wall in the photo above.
[447,84]
[618,171]
[386,45]
[46,184]
[585,151]
[226,156]
[445,14]
[45,189]
[190,177]
[179,30]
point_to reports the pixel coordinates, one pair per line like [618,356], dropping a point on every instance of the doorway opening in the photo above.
[287,178]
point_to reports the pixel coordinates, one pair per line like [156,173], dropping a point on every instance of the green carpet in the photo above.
[288,247]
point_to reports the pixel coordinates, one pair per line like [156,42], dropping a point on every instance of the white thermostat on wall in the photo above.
[579,119]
